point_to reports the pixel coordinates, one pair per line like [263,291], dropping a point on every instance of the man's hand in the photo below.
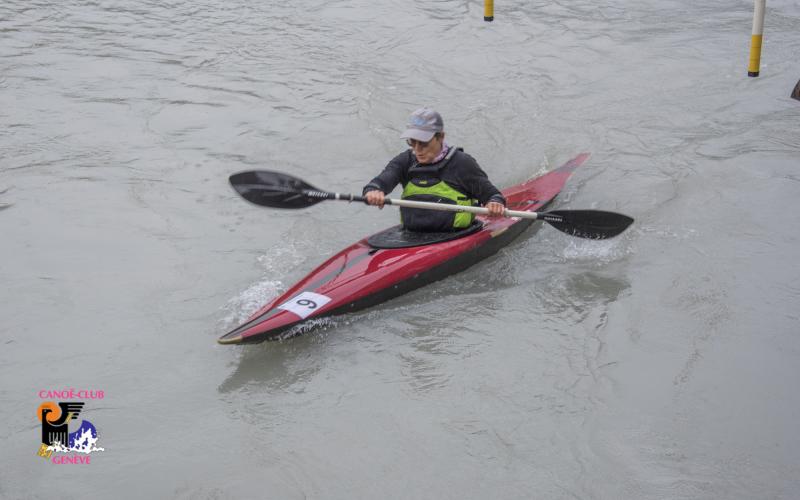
[375,198]
[495,209]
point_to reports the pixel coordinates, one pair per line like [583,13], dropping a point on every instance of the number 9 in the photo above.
[308,303]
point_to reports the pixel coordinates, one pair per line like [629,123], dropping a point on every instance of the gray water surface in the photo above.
[660,364]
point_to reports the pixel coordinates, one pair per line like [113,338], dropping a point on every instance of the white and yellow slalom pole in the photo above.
[755,39]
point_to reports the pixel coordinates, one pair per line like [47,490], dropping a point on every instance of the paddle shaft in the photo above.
[427,205]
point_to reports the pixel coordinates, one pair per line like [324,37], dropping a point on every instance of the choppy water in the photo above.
[661,364]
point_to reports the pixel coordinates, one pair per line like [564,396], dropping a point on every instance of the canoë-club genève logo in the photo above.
[60,444]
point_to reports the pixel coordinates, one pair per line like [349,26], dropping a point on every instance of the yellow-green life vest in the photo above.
[438,191]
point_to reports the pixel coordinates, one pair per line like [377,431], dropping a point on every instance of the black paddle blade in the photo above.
[275,189]
[592,224]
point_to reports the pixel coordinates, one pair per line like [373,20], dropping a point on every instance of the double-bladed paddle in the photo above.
[279,190]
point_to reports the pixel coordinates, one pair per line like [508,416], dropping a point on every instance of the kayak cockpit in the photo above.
[397,237]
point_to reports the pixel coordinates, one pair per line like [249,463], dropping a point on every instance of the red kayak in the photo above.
[395,262]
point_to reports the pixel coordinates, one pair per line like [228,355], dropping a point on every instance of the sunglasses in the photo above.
[413,143]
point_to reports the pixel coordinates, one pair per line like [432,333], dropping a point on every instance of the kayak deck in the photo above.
[361,276]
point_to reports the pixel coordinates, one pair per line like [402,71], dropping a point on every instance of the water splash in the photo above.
[307,326]
[600,251]
[275,262]
[243,306]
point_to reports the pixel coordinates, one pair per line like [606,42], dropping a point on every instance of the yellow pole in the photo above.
[488,10]
[755,39]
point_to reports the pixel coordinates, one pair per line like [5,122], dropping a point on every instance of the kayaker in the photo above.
[431,170]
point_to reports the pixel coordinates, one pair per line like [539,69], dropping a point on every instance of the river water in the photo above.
[660,364]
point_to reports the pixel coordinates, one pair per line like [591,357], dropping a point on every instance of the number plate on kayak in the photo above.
[305,304]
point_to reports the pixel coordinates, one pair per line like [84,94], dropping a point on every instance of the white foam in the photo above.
[243,306]
[306,326]
[600,251]
[274,263]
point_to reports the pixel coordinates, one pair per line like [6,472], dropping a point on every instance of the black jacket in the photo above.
[461,172]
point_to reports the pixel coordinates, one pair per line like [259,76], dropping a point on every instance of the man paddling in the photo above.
[431,170]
